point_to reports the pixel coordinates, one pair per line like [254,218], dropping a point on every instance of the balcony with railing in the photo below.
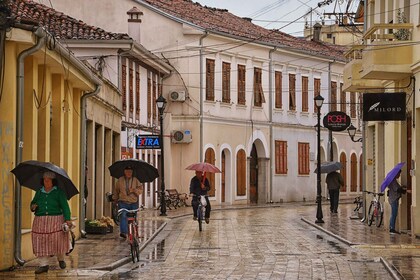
[353,81]
[388,51]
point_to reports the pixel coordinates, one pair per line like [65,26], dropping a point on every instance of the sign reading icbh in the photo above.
[147,142]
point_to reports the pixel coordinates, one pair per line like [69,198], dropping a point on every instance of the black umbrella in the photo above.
[142,170]
[327,167]
[29,174]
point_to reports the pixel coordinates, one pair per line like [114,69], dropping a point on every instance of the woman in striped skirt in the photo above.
[51,212]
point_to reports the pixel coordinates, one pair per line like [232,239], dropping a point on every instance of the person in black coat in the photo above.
[197,188]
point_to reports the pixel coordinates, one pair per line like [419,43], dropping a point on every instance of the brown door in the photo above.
[343,171]
[409,167]
[253,176]
[223,175]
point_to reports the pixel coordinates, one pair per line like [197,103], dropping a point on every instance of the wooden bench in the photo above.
[176,199]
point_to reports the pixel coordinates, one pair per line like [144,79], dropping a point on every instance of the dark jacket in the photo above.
[195,186]
[334,180]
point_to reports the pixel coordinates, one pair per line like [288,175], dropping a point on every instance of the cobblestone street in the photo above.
[278,242]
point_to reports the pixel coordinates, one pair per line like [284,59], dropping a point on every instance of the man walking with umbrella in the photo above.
[127,192]
[334,182]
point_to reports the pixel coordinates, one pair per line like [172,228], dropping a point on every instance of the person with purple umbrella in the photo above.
[394,195]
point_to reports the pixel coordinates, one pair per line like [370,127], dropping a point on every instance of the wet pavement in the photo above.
[269,242]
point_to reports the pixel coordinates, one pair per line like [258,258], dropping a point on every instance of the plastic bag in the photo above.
[203,200]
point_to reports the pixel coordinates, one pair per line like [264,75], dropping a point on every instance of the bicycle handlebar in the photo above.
[375,193]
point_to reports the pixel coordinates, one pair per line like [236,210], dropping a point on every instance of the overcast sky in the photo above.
[280,13]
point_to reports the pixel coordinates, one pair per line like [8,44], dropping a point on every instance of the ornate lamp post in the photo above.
[161,104]
[352,132]
[319,100]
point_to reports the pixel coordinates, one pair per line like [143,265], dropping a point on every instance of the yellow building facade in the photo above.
[389,61]
[50,84]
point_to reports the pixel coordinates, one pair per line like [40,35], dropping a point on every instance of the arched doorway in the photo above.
[210,158]
[223,194]
[343,171]
[253,176]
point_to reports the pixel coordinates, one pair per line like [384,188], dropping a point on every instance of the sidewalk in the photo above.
[96,255]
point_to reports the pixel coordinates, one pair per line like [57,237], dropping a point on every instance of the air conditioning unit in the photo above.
[178,96]
[181,136]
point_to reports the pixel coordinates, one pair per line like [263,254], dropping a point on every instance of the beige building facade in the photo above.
[388,62]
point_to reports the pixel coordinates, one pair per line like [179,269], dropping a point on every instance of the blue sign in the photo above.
[147,142]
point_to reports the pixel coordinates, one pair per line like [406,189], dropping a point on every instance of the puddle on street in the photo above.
[157,253]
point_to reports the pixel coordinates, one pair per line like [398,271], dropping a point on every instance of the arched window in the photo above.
[241,173]
[343,160]
[210,158]
[353,173]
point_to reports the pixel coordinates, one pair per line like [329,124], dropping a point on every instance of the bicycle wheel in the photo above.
[371,214]
[199,218]
[136,250]
[379,214]
[114,214]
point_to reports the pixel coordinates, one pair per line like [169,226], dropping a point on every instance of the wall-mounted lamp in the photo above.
[352,132]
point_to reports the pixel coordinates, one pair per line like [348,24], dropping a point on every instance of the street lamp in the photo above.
[161,104]
[352,132]
[319,100]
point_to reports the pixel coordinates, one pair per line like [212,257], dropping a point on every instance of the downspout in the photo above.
[201,95]
[330,136]
[41,35]
[270,119]
[83,142]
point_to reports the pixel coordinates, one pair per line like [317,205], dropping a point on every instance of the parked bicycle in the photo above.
[201,210]
[359,205]
[376,209]
[133,233]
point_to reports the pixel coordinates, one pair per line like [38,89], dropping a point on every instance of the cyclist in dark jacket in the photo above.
[197,187]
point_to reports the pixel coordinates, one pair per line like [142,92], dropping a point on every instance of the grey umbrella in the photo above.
[330,166]
[143,171]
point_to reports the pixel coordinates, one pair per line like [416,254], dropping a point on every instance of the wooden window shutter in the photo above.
[138,93]
[305,106]
[130,88]
[124,84]
[342,99]
[210,79]
[278,89]
[258,91]
[281,157]
[241,173]
[317,91]
[303,158]
[333,96]
[241,84]
[226,82]
[352,104]
[154,97]
[210,158]
[149,99]
[292,92]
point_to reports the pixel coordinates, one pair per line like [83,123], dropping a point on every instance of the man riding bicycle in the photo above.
[127,191]
[197,188]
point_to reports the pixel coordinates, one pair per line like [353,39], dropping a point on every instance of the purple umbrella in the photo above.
[391,175]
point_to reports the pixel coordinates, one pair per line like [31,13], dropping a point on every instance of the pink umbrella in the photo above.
[204,167]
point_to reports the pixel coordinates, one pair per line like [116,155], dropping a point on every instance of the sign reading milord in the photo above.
[384,106]
[336,121]
[147,142]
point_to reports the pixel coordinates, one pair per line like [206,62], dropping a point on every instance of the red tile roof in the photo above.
[57,23]
[222,21]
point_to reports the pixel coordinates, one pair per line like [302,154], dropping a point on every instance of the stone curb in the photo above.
[394,273]
[126,260]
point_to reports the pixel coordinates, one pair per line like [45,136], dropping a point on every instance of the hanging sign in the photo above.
[147,142]
[336,121]
[384,106]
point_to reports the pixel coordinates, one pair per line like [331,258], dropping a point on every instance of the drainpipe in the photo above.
[201,94]
[270,119]
[330,136]
[40,34]
[83,141]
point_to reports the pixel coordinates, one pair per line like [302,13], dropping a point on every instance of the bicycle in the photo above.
[376,209]
[201,210]
[133,233]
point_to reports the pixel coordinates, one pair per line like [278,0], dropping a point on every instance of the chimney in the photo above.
[317,32]
[134,21]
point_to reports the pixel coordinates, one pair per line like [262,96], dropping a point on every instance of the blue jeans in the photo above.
[123,216]
[394,213]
